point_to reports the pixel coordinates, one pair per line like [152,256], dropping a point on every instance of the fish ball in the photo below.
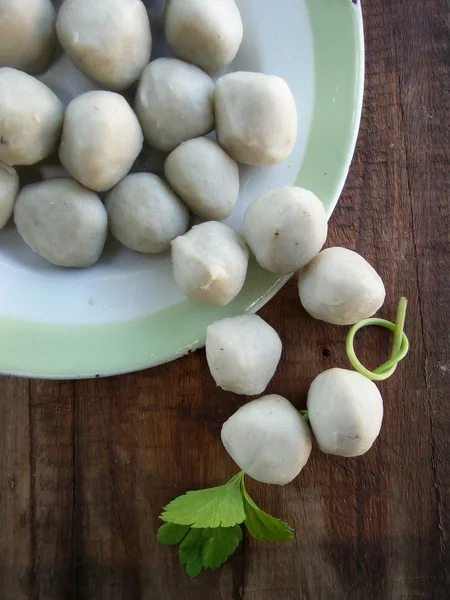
[62,221]
[145,214]
[101,139]
[340,287]
[210,263]
[345,410]
[27,34]
[256,117]
[285,229]
[243,354]
[204,32]
[31,118]
[109,41]
[9,188]
[174,103]
[268,439]
[205,177]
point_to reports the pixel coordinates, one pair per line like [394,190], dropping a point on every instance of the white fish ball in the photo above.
[145,214]
[345,410]
[62,221]
[109,41]
[205,177]
[340,287]
[9,188]
[101,139]
[27,34]
[268,439]
[256,117]
[285,229]
[204,32]
[243,354]
[31,118]
[174,103]
[210,263]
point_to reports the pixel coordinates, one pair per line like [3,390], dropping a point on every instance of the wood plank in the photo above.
[36,466]
[52,493]
[16,482]
[424,76]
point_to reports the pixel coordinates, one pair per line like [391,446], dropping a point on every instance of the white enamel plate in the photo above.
[125,313]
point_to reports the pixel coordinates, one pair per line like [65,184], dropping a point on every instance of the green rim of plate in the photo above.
[72,351]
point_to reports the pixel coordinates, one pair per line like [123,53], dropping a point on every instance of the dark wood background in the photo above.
[85,467]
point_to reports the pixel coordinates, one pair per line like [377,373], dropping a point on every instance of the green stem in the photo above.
[399,326]
[304,414]
[400,344]
[238,477]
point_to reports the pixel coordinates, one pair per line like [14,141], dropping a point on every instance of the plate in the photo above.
[125,313]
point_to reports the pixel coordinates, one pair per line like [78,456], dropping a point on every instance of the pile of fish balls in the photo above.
[268,438]
[168,104]
[98,138]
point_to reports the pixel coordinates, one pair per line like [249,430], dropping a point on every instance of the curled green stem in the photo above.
[400,345]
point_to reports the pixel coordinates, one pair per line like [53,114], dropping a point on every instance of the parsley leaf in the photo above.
[208,548]
[171,534]
[214,507]
[191,552]
[206,523]
[220,543]
[261,525]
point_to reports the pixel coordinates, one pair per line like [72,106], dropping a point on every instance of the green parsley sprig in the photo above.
[207,524]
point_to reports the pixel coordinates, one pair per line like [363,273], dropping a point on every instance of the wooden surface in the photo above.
[85,467]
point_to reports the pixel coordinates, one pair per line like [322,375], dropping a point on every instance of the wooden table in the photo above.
[86,467]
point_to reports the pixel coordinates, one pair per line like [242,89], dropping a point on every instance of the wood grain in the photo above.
[86,467]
